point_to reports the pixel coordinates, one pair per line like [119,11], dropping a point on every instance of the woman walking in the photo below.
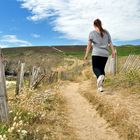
[101,40]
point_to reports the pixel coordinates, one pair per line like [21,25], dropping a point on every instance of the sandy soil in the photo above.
[83,118]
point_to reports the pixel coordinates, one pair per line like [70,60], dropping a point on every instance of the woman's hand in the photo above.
[88,49]
[85,58]
[113,53]
[113,49]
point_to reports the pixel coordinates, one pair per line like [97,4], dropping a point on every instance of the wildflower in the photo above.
[17,124]
[10,111]
[15,118]
[24,132]
[19,131]
[10,130]
[20,122]
[29,113]
[4,136]
[37,130]
[43,115]
[14,124]
[17,113]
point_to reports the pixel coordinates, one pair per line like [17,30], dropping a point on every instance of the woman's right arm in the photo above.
[113,49]
[89,46]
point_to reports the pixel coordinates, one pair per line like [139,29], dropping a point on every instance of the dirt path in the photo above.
[88,125]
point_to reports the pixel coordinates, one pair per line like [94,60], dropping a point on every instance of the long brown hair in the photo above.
[98,24]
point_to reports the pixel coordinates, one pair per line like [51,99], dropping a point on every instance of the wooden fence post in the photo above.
[114,65]
[32,76]
[36,77]
[20,77]
[3,94]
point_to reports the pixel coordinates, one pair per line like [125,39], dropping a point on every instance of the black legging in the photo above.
[98,65]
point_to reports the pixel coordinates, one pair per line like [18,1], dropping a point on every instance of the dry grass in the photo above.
[117,115]
[37,115]
[126,80]
[122,112]
[120,107]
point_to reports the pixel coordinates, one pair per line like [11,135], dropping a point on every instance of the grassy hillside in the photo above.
[75,50]
[126,50]
[122,51]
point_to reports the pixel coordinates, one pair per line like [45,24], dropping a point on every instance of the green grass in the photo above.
[121,50]
[126,50]
[79,54]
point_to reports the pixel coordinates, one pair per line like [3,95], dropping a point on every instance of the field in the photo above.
[77,51]
[67,106]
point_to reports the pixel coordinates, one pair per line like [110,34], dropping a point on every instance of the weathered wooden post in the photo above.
[32,77]
[59,74]
[20,77]
[21,84]
[3,94]
[114,64]
[36,77]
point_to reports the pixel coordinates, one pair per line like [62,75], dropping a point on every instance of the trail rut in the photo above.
[83,118]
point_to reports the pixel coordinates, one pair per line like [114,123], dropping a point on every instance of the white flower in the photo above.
[4,136]
[14,124]
[43,115]
[24,132]
[20,122]
[17,124]
[37,130]
[10,129]
[17,113]
[10,111]
[15,118]
[19,130]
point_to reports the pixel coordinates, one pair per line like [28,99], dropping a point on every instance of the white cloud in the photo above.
[3,46]
[74,18]
[12,41]
[35,35]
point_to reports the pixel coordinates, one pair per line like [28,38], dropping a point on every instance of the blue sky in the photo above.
[64,22]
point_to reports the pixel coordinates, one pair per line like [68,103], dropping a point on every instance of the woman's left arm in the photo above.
[89,46]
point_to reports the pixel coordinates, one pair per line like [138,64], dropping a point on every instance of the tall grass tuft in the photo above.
[129,80]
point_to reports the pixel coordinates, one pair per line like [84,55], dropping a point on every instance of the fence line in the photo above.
[132,63]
